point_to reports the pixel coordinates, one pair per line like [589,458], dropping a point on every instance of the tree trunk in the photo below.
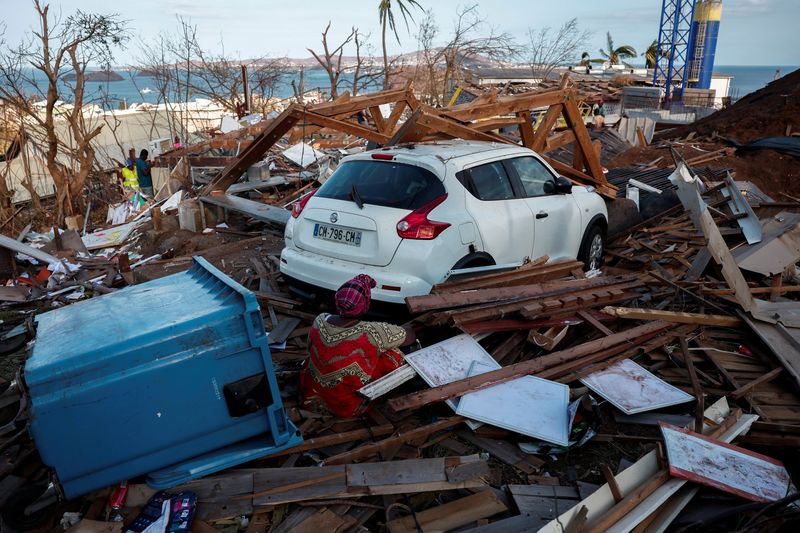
[385,55]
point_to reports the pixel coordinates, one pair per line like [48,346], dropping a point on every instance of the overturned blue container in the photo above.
[171,378]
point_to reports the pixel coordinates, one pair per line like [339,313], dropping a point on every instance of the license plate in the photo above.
[332,233]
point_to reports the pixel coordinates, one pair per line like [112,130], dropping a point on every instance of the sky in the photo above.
[753,32]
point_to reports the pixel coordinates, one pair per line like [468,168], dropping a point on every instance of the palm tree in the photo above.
[650,56]
[387,19]
[613,55]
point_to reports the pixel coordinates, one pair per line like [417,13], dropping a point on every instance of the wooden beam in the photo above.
[452,515]
[505,105]
[409,131]
[377,116]
[546,126]
[276,129]
[345,126]
[368,450]
[394,116]
[497,123]
[628,503]
[748,387]
[359,103]
[433,121]
[558,140]
[526,132]
[583,141]
[470,384]
[338,438]
[672,316]
[198,161]
[696,388]
[587,316]
[612,482]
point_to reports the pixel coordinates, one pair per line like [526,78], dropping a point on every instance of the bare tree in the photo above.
[547,48]
[447,65]
[331,59]
[366,72]
[181,69]
[60,50]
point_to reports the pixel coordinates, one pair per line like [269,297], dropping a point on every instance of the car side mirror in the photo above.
[563,185]
[549,187]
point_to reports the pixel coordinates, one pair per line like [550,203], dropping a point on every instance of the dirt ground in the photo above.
[764,113]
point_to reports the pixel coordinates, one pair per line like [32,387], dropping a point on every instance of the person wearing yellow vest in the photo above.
[130,180]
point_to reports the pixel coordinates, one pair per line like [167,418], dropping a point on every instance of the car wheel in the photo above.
[592,249]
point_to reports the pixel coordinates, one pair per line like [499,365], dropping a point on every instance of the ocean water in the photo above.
[749,78]
[134,88]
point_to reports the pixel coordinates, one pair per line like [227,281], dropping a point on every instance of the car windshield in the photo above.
[382,183]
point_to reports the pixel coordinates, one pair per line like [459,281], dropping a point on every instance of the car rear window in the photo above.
[383,183]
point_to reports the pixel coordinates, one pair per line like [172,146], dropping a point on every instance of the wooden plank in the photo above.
[451,515]
[672,316]
[698,391]
[395,472]
[505,105]
[371,449]
[545,127]
[588,317]
[345,126]
[380,122]
[476,295]
[583,142]
[628,503]
[748,387]
[526,132]
[336,439]
[559,140]
[505,451]
[461,387]
[612,482]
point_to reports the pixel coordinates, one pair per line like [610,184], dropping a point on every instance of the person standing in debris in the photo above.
[143,173]
[599,118]
[601,108]
[346,353]
[130,180]
[176,143]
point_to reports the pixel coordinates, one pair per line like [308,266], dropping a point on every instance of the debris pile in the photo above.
[542,397]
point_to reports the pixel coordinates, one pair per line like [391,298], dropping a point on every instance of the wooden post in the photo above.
[698,391]
[156,216]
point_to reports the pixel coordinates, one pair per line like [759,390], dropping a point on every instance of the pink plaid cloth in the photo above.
[353,297]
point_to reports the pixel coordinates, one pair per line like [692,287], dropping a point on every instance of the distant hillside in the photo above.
[99,75]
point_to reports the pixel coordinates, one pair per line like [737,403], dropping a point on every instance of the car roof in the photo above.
[437,152]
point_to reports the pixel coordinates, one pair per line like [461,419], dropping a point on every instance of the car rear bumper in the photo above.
[330,274]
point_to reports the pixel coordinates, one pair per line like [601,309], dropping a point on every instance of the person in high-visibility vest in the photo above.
[130,180]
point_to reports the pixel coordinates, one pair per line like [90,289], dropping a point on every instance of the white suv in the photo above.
[407,215]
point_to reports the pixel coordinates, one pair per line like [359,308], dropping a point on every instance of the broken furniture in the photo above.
[172,377]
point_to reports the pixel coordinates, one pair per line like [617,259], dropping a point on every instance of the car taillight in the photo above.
[416,224]
[299,205]
[385,157]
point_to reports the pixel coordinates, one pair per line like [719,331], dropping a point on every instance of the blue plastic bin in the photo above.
[172,377]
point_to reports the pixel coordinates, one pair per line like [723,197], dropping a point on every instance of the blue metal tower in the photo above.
[675,38]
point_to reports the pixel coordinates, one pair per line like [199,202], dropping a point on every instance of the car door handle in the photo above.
[541,214]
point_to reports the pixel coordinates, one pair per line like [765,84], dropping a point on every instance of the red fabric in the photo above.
[332,375]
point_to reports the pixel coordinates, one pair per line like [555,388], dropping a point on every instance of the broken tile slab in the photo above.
[303,155]
[527,405]
[724,466]
[113,236]
[449,361]
[632,389]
